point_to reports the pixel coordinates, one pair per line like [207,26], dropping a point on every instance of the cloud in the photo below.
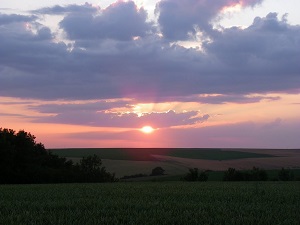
[179,18]
[60,10]
[121,21]
[277,122]
[219,98]
[27,51]
[105,63]
[261,54]
[16,115]
[14,18]
[127,120]
[94,106]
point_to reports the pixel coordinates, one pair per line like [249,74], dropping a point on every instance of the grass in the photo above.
[152,203]
[145,154]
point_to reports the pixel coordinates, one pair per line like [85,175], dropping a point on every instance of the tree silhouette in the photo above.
[22,160]
[258,174]
[285,175]
[194,175]
[233,175]
[157,171]
[91,170]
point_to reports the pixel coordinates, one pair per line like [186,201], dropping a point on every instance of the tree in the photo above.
[194,175]
[22,160]
[91,164]
[257,174]
[157,171]
[285,175]
[233,175]
[203,176]
[91,170]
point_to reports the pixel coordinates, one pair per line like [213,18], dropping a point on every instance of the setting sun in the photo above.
[147,129]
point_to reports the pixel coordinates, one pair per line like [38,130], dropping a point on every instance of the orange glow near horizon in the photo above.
[19,114]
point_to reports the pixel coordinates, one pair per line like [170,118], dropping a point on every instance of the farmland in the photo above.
[177,161]
[152,203]
[146,154]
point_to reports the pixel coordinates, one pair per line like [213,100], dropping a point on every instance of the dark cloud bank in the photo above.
[117,53]
[127,120]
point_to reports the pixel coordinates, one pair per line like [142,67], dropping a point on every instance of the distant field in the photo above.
[164,203]
[214,154]
[175,162]
[107,153]
[145,154]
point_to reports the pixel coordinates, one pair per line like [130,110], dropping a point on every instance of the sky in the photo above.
[202,73]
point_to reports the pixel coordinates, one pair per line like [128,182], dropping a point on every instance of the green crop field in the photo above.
[152,203]
[145,154]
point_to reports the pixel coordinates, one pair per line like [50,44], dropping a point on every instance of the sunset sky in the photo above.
[202,73]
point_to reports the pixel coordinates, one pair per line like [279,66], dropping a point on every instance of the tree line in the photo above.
[23,160]
[232,174]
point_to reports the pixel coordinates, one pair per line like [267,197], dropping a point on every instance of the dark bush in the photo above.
[203,176]
[194,175]
[157,171]
[285,175]
[257,174]
[233,175]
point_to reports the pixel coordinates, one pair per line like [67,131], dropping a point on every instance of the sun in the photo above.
[147,129]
